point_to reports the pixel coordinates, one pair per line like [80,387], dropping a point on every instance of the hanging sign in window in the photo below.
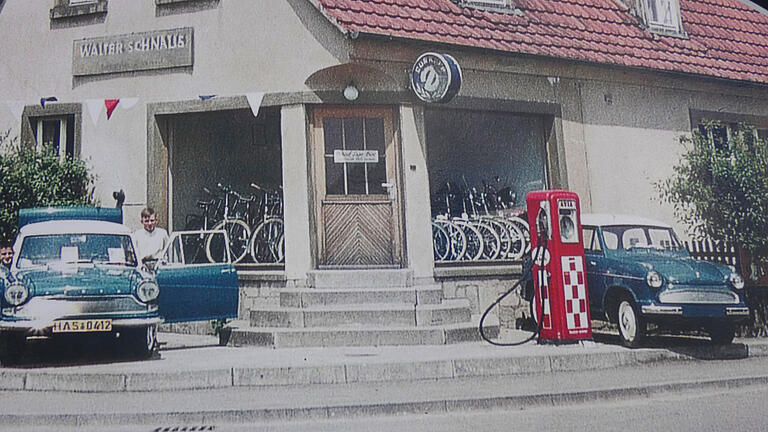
[436,77]
[355,156]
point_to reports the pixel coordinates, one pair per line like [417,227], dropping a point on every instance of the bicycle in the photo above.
[238,231]
[267,242]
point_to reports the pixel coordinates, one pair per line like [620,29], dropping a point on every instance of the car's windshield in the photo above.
[632,236]
[76,248]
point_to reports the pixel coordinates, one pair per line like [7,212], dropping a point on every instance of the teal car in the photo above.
[75,274]
[639,273]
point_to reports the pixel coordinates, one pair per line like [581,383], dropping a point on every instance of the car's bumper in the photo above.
[44,326]
[694,314]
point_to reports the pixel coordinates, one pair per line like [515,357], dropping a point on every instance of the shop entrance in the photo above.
[357,187]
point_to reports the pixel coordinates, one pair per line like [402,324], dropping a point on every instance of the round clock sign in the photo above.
[435,77]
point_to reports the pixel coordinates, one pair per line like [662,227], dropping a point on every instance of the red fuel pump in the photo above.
[561,301]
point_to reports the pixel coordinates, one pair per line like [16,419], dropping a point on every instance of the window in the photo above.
[54,133]
[660,16]
[506,6]
[354,152]
[590,239]
[722,132]
[77,8]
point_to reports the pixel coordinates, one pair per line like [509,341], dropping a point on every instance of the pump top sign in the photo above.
[436,78]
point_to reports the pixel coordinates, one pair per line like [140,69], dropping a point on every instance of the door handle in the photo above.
[391,189]
[592,263]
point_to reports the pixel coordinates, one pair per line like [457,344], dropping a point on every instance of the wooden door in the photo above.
[357,187]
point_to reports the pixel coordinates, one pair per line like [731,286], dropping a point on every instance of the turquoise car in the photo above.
[75,274]
[639,273]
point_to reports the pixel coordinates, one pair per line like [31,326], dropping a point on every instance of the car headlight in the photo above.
[736,281]
[654,279]
[147,291]
[16,293]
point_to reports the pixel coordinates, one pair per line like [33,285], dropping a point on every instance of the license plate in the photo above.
[76,326]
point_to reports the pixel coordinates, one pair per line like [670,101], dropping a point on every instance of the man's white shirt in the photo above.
[150,243]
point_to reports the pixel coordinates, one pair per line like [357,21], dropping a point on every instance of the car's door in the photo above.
[196,277]
[593,253]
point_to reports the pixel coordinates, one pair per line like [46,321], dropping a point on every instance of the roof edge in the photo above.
[329,17]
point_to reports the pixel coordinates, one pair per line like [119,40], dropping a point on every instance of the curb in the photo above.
[334,373]
[393,408]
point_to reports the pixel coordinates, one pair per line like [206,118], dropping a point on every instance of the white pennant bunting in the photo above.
[128,103]
[94,109]
[254,100]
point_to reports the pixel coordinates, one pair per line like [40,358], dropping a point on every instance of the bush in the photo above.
[29,178]
[721,192]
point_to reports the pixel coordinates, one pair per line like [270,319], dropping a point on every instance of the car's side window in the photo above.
[611,240]
[591,240]
[634,237]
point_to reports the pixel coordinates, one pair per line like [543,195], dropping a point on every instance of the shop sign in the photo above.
[159,49]
[436,77]
[355,156]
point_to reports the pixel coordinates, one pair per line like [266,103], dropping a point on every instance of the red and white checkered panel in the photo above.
[546,310]
[574,293]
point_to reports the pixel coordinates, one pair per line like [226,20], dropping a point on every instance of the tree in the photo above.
[719,188]
[29,178]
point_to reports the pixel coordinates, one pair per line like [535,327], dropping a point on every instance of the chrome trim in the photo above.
[736,311]
[617,276]
[699,296]
[60,306]
[662,310]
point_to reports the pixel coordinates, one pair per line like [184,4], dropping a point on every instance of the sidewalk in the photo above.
[197,362]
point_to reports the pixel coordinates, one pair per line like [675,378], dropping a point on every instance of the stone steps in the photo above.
[362,315]
[308,297]
[281,337]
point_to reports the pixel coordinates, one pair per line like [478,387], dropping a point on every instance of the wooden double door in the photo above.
[357,198]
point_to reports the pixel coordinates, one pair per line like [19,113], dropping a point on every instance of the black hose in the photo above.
[510,291]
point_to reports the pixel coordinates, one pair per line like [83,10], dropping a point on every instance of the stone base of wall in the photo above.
[481,293]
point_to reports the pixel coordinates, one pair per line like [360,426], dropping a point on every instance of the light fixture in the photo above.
[351,93]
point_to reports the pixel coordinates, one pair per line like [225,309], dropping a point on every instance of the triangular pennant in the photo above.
[128,103]
[47,99]
[111,104]
[94,108]
[206,97]
[254,100]
[16,107]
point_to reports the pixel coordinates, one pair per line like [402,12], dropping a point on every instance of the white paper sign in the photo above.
[355,156]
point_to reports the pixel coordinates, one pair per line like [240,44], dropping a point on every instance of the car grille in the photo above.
[699,296]
[60,306]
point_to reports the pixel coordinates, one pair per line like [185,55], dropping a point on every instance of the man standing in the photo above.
[150,240]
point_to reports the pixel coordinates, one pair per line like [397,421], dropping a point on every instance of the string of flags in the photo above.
[96,107]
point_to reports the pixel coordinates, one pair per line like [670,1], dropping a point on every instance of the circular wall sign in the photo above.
[435,77]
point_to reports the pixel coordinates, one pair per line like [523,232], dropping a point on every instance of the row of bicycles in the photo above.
[486,227]
[253,223]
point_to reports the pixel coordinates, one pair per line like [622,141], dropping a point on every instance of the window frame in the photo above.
[503,6]
[33,115]
[644,11]
[63,9]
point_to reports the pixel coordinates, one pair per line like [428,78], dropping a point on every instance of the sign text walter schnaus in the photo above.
[131,52]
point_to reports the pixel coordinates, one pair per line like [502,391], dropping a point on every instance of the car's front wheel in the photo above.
[141,342]
[721,335]
[632,328]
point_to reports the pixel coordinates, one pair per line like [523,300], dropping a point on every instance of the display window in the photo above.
[481,166]
[225,173]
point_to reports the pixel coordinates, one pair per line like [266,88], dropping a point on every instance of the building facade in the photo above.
[315,100]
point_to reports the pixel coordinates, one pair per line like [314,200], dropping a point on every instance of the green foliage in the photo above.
[33,179]
[722,193]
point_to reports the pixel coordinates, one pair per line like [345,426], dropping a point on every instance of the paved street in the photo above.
[580,377]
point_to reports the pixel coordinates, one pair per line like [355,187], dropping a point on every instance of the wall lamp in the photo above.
[351,93]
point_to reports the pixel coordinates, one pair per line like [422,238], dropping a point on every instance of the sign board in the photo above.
[435,78]
[160,49]
[355,156]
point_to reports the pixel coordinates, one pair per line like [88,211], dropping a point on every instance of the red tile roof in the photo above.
[726,38]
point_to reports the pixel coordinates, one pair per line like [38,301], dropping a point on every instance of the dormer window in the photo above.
[505,6]
[661,16]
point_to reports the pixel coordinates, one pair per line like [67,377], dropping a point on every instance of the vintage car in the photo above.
[75,273]
[639,273]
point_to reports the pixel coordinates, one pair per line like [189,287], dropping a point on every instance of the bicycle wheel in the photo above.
[505,241]
[238,234]
[491,241]
[524,229]
[267,243]
[474,240]
[457,239]
[440,242]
